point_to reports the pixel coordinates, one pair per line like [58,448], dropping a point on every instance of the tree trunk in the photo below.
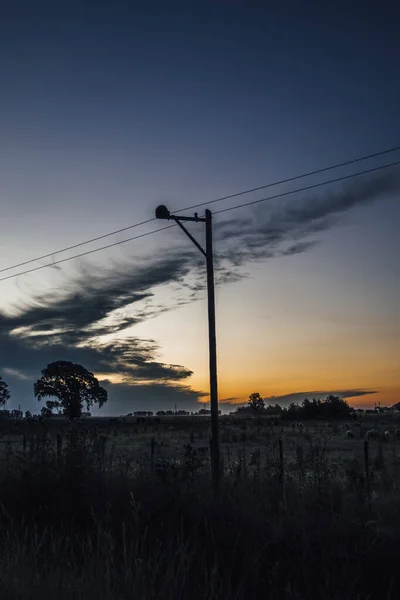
[74,409]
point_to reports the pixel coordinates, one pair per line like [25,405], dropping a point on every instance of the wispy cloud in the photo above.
[17,374]
[287,228]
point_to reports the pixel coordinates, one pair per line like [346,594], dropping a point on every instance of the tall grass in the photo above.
[85,525]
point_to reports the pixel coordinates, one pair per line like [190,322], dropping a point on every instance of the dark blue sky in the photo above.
[109,108]
[267,87]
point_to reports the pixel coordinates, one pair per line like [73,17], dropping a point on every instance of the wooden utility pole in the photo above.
[212,342]
[163,213]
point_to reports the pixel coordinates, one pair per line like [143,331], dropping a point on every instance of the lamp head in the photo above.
[162,212]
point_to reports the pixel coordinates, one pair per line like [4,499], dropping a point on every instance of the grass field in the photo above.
[126,510]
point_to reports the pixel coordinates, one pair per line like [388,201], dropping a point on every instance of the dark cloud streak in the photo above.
[266,231]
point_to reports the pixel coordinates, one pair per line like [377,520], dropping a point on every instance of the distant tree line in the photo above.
[333,407]
[169,413]
[70,386]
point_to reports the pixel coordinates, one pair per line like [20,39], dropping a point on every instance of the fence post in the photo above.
[59,447]
[31,448]
[367,477]
[103,440]
[44,440]
[282,470]
[8,454]
[152,452]
[24,444]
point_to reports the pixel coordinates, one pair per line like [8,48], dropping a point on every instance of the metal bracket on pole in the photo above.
[195,242]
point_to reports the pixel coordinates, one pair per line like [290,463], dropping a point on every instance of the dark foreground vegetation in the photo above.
[79,524]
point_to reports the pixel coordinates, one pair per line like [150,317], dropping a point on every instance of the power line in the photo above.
[235,195]
[136,237]
[308,187]
[281,195]
[290,179]
[100,237]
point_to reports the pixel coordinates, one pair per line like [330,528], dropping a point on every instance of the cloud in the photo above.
[90,322]
[285,229]
[93,294]
[17,374]
[231,400]
[72,325]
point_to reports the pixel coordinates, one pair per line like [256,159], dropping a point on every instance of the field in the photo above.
[112,509]
[250,442]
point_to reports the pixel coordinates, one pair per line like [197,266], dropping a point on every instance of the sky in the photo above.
[110,109]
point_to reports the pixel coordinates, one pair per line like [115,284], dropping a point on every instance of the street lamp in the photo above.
[162,212]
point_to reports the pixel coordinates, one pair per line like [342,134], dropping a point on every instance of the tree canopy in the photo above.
[256,403]
[72,385]
[332,407]
[4,392]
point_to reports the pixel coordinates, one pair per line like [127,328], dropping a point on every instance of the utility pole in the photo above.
[212,344]
[163,213]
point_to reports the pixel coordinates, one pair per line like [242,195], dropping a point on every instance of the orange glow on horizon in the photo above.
[238,394]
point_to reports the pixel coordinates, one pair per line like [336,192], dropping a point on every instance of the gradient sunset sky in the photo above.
[108,109]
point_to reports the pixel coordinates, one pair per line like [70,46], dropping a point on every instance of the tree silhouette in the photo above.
[256,403]
[336,408]
[72,385]
[332,407]
[273,410]
[4,392]
[312,409]
[46,412]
